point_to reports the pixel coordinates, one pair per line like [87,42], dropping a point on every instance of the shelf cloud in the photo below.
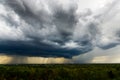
[55,28]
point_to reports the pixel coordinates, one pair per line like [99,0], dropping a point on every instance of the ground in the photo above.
[60,72]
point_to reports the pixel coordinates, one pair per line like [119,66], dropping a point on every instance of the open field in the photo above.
[60,72]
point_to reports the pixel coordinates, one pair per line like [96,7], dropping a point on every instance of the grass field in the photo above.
[60,72]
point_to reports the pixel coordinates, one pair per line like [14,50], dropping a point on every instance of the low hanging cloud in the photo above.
[56,28]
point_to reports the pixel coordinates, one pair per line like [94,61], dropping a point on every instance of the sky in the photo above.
[57,31]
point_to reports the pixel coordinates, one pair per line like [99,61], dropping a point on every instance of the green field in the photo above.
[60,72]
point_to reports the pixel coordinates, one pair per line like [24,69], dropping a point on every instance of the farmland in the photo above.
[60,72]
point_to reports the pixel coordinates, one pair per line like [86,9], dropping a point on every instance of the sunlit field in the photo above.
[60,72]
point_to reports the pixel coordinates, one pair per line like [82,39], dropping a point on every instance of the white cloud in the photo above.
[71,45]
[92,4]
[8,31]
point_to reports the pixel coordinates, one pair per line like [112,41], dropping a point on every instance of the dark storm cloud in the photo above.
[36,49]
[41,28]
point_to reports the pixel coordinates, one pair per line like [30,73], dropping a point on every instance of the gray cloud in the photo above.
[41,28]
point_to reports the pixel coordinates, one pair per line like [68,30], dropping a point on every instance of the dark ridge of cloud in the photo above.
[36,49]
